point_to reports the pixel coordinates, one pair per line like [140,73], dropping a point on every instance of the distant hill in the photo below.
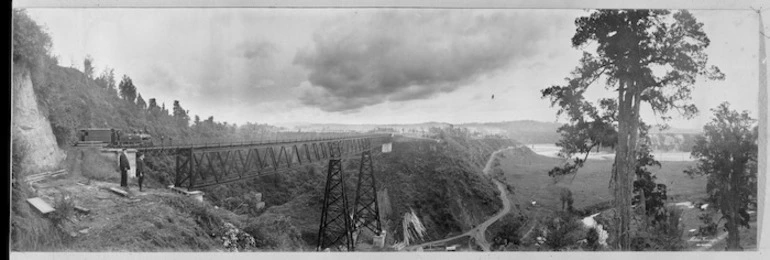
[525,131]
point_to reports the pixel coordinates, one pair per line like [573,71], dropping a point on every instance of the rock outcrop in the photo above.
[30,127]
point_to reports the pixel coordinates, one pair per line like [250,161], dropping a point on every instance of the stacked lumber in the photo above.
[42,176]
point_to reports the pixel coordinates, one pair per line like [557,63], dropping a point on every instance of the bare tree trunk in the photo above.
[620,171]
[631,161]
[634,133]
[733,234]
[625,159]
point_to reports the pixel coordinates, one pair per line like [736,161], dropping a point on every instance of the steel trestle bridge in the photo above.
[203,165]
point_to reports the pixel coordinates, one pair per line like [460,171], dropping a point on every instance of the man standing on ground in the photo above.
[140,169]
[124,167]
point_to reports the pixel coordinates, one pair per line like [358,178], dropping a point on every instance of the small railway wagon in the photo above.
[112,137]
[96,135]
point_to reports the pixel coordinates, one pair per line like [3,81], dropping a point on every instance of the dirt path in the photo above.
[478,233]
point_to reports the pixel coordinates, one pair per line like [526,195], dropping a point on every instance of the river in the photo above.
[551,150]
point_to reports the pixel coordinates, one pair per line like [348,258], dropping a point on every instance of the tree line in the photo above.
[72,99]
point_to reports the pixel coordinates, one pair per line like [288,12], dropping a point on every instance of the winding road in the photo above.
[478,232]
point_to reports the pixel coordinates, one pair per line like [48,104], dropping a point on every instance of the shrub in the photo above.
[274,232]
[236,240]
[508,233]
[562,231]
[664,235]
[65,209]
[592,239]
[709,227]
[31,44]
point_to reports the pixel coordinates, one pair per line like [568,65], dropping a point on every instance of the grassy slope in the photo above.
[154,221]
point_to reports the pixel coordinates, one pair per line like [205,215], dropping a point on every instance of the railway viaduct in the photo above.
[203,165]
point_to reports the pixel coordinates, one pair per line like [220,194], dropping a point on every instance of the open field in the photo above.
[527,173]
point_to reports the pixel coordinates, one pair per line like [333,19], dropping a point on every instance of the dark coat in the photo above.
[139,167]
[124,162]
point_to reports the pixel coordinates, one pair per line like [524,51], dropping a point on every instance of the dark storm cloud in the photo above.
[398,56]
[249,71]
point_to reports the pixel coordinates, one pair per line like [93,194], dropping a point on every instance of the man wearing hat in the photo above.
[124,167]
[140,169]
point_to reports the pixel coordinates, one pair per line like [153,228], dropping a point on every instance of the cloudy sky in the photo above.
[367,65]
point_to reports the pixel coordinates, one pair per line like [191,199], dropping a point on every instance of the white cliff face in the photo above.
[31,128]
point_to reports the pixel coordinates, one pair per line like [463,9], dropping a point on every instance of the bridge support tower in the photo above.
[366,209]
[336,221]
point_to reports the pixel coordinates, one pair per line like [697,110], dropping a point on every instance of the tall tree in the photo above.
[152,105]
[110,76]
[727,153]
[106,80]
[88,66]
[140,102]
[653,56]
[180,115]
[127,89]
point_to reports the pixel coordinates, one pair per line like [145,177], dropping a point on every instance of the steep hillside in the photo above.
[443,183]
[30,127]
[72,101]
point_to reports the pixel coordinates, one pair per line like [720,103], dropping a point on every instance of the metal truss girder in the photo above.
[198,166]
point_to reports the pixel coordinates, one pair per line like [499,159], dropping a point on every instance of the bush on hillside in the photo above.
[275,232]
[236,240]
[506,234]
[664,235]
[709,227]
[65,209]
[592,239]
[563,231]
[30,43]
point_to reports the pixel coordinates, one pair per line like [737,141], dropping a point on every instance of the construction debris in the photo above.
[82,210]
[42,176]
[40,205]
[119,191]
[379,240]
[417,230]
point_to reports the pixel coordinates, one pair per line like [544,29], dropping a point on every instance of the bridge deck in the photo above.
[258,142]
[201,165]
